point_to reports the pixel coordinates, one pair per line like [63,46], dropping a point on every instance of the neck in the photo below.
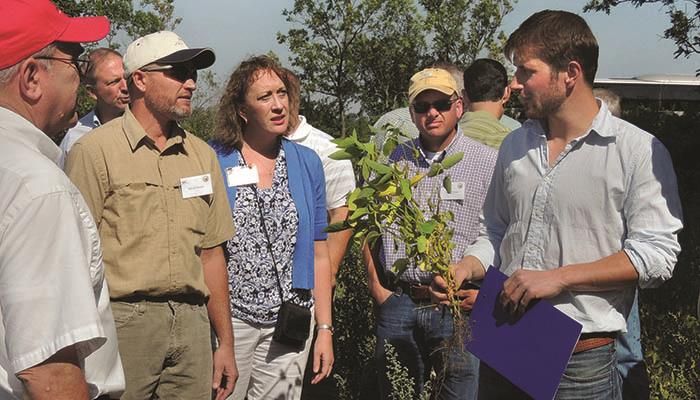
[106,114]
[435,144]
[494,108]
[265,145]
[573,118]
[156,127]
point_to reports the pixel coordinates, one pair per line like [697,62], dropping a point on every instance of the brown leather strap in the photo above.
[417,292]
[593,340]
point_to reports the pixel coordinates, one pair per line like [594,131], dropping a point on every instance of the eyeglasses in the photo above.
[179,72]
[440,105]
[79,63]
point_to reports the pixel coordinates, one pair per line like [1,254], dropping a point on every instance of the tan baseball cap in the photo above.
[164,47]
[434,79]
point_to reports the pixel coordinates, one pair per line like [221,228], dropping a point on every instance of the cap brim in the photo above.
[201,58]
[85,29]
[439,88]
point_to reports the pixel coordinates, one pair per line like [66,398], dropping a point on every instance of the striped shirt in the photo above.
[474,171]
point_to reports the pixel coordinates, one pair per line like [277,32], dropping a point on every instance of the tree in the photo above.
[151,16]
[462,29]
[356,56]
[685,25]
[326,49]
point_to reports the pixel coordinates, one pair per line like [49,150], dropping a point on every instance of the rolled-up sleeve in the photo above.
[653,216]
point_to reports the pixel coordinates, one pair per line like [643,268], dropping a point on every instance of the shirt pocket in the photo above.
[193,215]
[135,211]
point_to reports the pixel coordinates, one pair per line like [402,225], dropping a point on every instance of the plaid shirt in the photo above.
[474,170]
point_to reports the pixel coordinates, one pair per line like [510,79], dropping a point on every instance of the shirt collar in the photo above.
[21,130]
[302,132]
[447,150]
[136,135]
[600,124]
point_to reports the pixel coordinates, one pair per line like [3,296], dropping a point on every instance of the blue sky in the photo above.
[629,38]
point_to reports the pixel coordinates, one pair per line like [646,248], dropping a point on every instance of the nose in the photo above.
[123,88]
[190,84]
[277,103]
[515,83]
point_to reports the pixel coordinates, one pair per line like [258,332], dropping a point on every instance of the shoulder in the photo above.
[103,135]
[476,152]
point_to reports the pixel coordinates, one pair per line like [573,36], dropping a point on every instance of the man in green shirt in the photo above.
[486,91]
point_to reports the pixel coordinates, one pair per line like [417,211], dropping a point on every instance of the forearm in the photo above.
[337,241]
[613,272]
[216,279]
[373,283]
[58,378]
[322,284]
[468,268]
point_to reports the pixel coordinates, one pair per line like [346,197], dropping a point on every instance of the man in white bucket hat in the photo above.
[158,197]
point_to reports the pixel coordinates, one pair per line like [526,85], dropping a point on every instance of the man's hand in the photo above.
[467,297]
[323,356]
[525,285]
[225,372]
[380,294]
[467,269]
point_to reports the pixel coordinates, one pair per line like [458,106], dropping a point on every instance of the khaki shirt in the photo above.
[151,236]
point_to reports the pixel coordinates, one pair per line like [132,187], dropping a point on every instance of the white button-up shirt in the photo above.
[53,292]
[611,189]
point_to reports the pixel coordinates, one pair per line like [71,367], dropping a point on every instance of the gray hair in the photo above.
[8,73]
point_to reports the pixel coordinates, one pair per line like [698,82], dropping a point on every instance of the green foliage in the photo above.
[150,16]
[672,347]
[383,205]
[402,385]
[684,21]
[462,29]
[356,57]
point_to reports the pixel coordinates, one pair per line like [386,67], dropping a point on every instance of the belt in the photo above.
[193,299]
[416,291]
[593,340]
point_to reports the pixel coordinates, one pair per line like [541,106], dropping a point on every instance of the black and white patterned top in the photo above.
[253,289]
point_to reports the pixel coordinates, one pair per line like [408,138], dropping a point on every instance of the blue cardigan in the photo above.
[308,190]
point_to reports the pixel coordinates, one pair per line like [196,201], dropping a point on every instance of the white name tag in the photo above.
[239,176]
[195,186]
[456,194]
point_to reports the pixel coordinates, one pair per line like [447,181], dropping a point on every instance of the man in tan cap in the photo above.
[57,338]
[159,200]
[406,317]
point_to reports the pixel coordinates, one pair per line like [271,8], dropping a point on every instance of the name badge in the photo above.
[239,176]
[195,186]
[456,194]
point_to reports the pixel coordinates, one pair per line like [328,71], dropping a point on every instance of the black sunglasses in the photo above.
[79,63]
[179,72]
[440,105]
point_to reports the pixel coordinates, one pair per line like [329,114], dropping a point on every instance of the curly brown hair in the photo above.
[229,124]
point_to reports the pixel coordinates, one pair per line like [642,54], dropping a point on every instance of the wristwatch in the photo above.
[325,326]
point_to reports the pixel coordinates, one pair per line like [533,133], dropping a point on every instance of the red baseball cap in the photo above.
[27,26]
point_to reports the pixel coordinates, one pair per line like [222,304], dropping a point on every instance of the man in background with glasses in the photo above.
[157,194]
[57,336]
[406,315]
[106,84]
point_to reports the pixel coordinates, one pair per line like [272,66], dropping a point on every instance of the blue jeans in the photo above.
[630,359]
[589,375]
[419,334]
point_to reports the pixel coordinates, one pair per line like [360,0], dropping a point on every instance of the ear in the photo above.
[243,113]
[574,72]
[30,79]
[459,107]
[506,95]
[140,80]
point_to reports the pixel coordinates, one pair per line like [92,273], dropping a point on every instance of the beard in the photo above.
[180,112]
[541,105]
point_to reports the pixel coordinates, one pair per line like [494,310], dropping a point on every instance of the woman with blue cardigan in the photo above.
[278,254]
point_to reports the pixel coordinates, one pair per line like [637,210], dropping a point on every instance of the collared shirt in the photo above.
[611,189]
[340,179]
[474,171]
[53,292]
[151,235]
[483,127]
[85,124]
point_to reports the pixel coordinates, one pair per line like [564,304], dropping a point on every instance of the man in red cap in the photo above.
[57,337]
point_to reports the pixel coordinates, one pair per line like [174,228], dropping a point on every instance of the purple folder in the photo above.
[532,351]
